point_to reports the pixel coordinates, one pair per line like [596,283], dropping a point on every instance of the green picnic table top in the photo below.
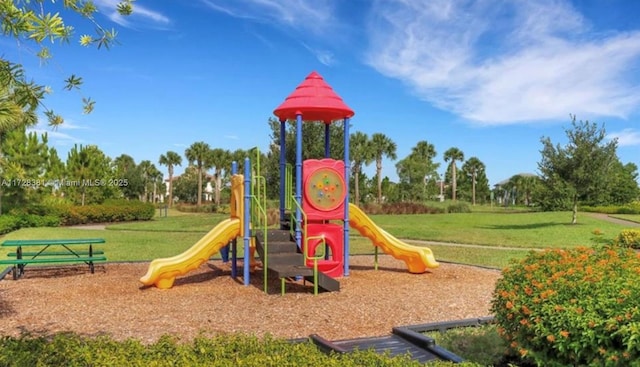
[44,242]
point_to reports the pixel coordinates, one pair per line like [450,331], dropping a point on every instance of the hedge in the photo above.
[67,349]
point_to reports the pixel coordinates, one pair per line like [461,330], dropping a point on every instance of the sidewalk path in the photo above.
[611,219]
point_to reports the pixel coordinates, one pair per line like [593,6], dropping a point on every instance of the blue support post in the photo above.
[283,162]
[298,179]
[327,139]
[347,169]
[247,218]
[234,243]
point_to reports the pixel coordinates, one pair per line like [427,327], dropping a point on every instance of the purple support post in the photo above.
[347,169]
[327,154]
[298,179]
[247,218]
[283,163]
[234,243]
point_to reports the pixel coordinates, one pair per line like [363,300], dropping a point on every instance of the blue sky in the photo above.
[489,77]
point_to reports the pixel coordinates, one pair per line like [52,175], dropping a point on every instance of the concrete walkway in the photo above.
[612,219]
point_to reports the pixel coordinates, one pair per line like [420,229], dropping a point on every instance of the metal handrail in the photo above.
[305,244]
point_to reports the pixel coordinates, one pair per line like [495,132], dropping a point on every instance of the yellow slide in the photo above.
[162,272]
[417,258]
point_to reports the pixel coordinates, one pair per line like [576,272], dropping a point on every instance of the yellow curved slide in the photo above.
[417,258]
[162,272]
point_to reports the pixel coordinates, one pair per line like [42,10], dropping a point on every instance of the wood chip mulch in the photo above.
[208,302]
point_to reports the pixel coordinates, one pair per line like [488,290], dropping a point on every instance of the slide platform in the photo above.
[417,258]
[162,272]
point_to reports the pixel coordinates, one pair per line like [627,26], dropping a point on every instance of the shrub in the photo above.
[226,350]
[629,238]
[458,208]
[633,208]
[400,208]
[8,223]
[105,213]
[204,208]
[572,307]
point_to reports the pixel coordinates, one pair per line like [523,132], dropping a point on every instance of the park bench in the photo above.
[43,254]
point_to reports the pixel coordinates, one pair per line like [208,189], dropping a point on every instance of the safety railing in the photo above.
[288,186]
[259,211]
[305,243]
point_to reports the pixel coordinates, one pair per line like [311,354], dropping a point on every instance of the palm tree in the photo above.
[221,160]
[170,159]
[472,167]
[200,154]
[361,152]
[453,154]
[382,146]
[147,170]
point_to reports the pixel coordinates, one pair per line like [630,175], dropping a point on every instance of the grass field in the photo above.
[502,236]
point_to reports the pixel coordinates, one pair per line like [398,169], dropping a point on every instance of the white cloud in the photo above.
[310,15]
[302,18]
[505,62]
[325,57]
[626,137]
[141,16]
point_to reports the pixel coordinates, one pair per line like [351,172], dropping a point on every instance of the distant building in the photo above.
[503,192]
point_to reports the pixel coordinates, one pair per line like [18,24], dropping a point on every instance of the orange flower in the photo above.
[509,305]
[551,338]
[564,333]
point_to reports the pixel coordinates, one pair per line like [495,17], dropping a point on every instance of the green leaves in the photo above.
[36,22]
[125,7]
[73,82]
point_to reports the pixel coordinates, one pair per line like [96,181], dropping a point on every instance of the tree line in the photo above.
[586,171]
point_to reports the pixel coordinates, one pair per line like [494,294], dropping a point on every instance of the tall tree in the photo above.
[453,155]
[582,167]
[126,169]
[200,154]
[170,159]
[473,167]
[383,147]
[23,167]
[221,162]
[418,172]
[88,170]
[361,153]
[624,186]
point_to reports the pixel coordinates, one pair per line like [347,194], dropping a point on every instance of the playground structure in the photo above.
[313,239]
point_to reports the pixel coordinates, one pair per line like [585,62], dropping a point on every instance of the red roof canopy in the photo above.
[315,100]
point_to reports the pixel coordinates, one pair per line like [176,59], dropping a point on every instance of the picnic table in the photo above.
[52,251]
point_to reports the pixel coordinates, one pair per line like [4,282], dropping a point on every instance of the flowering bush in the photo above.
[628,238]
[572,307]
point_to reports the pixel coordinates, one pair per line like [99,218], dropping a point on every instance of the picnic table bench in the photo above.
[52,251]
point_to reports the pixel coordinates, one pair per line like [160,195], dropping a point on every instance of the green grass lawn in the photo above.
[171,235]
[525,230]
